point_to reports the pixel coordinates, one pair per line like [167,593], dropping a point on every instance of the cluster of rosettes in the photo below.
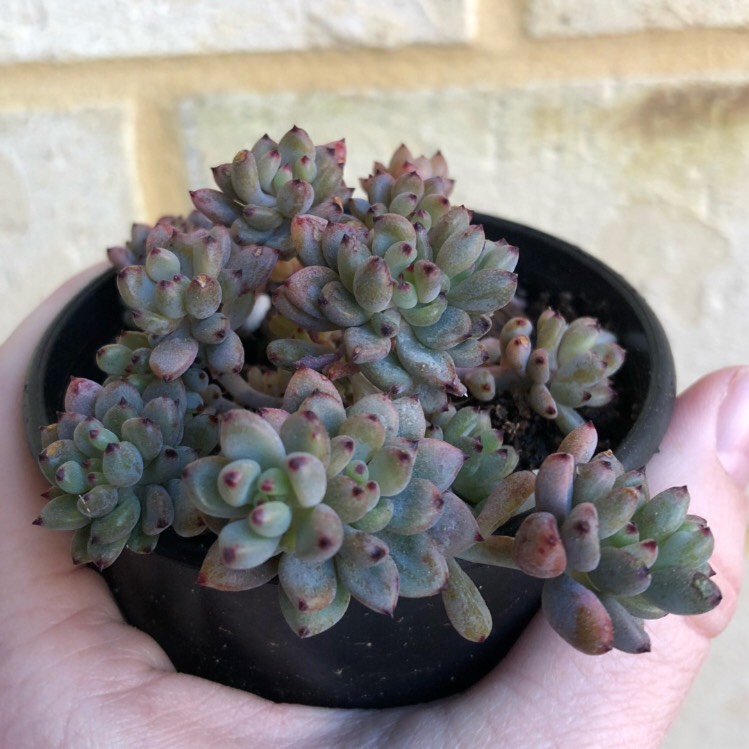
[488,459]
[189,287]
[412,302]
[337,502]
[114,459]
[372,486]
[266,186]
[415,187]
[610,554]
[569,366]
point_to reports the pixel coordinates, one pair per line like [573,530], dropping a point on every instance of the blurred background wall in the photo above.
[621,126]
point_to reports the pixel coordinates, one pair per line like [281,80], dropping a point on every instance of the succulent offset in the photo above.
[610,554]
[349,461]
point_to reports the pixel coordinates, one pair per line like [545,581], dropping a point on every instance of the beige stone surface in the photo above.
[549,18]
[649,176]
[67,191]
[75,29]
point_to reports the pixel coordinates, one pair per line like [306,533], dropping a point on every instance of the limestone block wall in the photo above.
[620,126]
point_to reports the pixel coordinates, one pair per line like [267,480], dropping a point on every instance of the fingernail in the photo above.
[733,428]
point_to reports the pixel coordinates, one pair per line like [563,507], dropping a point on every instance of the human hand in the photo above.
[73,674]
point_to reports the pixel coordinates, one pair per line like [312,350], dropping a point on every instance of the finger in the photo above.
[619,699]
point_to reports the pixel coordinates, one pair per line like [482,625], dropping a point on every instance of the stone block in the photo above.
[67,191]
[64,30]
[552,18]
[649,176]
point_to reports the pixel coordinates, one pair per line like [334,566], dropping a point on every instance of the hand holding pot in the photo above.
[74,674]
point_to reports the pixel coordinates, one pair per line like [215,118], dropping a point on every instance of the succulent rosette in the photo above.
[265,187]
[189,288]
[337,502]
[347,462]
[412,303]
[611,555]
[114,460]
[569,367]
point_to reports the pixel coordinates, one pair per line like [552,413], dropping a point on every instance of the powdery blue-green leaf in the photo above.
[362,549]
[391,467]
[421,566]
[680,590]
[350,499]
[625,571]
[416,508]
[310,623]
[214,574]
[663,514]
[200,480]
[157,510]
[629,631]
[319,534]
[374,586]
[118,523]
[309,587]
[438,462]
[244,434]
[307,477]
[62,513]
[243,548]
[377,518]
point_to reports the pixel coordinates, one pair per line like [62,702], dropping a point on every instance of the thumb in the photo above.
[707,447]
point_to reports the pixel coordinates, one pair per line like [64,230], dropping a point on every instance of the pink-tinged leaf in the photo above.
[505,501]
[173,357]
[577,615]
[580,535]
[580,442]
[496,550]
[554,484]
[538,549]
[214,574]
[456,529]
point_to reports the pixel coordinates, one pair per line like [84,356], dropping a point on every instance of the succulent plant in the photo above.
[271,183]
[610,554]
[189,287]
[114,460]
[569,367]
[412,302]
[348,462]
[337,502]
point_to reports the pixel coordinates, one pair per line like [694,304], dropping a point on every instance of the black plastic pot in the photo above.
[367,660]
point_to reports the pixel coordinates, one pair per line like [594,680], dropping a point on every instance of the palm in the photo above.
[74,674]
